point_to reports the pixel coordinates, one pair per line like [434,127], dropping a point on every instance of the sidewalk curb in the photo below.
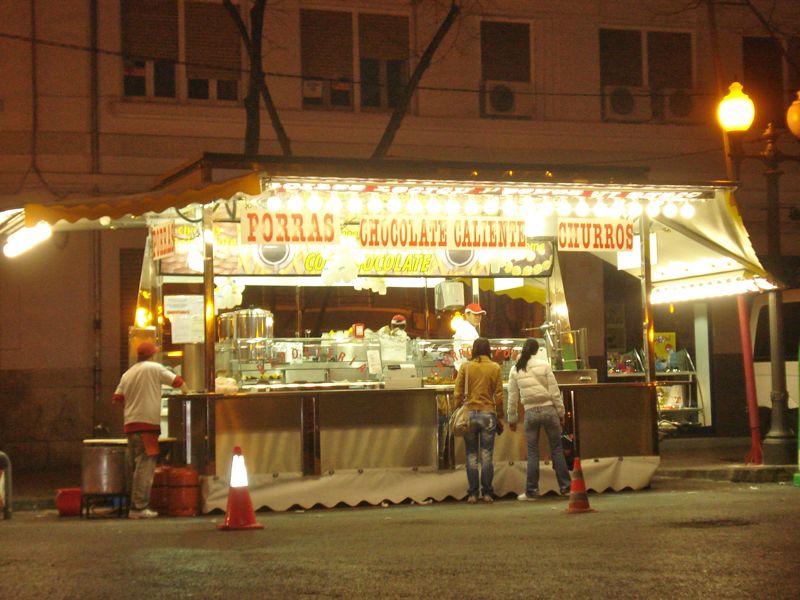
[739,474]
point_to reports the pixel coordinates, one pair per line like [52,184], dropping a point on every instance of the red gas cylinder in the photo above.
[159,493]
[184,492]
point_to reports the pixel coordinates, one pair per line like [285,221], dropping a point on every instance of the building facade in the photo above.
[103,97]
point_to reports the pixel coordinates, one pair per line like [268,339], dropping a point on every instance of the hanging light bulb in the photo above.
[509,207]
[274,203]
[354,204]
[471,206]
[652,209]
[582,208]
[617,209]
[634,209]
[314,202]
[414,205]
[670,210]
[546,207]
[334,203]
[564,208]
[295,202]
[600,209]
[452,207]
[687,210]
[434,206]
[491,205]
[394,204]
[375,204]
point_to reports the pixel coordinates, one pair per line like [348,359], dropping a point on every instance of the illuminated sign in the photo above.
[594,235]
[288,227]
[163,240]
[382,232]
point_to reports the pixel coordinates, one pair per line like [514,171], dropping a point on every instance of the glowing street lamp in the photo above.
[736,113]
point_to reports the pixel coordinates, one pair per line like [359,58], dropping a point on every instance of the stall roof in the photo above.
[713,240]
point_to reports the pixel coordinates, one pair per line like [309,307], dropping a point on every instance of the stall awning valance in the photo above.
[157,201]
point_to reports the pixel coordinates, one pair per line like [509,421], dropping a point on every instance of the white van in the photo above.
[759,333]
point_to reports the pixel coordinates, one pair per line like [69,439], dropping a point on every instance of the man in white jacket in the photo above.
[532,381]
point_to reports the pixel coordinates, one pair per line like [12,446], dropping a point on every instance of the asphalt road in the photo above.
[681,539]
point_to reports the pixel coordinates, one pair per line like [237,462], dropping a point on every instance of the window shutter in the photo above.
[505,51]
[326,42]
[150,29]
[213,47]
[384,37]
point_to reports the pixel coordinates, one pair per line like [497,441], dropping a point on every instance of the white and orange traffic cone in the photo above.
[578,500]
[240,513]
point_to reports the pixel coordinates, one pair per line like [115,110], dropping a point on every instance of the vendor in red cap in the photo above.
[466,332]
[468,329]
[396,327]
[139,391]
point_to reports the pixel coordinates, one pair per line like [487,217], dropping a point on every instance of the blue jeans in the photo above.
[482,425]
[547,417]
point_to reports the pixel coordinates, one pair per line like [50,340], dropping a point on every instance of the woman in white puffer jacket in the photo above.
[532,381]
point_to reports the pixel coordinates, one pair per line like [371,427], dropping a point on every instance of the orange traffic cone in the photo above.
[578,500]
[240,514]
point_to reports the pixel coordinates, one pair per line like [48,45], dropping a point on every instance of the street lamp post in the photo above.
[736,113]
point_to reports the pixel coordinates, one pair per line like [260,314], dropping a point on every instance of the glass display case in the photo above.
[261,364]
[680,404]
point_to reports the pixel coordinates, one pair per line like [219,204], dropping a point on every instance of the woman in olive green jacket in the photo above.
[479,385]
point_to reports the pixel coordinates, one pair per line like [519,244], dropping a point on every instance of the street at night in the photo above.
[681,539]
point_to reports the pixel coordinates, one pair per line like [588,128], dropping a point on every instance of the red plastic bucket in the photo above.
[68,502]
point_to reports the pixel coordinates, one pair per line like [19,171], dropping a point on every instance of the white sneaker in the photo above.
[145,513]
[526,498]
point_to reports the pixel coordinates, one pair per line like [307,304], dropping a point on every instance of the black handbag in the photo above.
[568,446]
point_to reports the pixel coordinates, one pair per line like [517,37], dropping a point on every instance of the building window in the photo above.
[206,55]
[213,52]
[669,59]
[648,75]
[506,89]
[383,49]
[505,51]
[326,56]
[764,66]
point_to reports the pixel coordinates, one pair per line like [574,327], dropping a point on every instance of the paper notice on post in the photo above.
[188,330]
[185,313]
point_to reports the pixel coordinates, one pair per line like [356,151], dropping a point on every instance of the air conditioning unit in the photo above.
[676,105]
[313,88]
[508,99]
[626,103]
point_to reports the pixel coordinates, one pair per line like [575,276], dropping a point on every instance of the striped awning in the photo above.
[156,201]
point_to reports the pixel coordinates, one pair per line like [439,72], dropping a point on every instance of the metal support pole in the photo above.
[208,296]
[779,445]
[648,329]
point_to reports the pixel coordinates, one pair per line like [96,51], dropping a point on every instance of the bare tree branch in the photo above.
[424,62]
[773,33]
[257,85]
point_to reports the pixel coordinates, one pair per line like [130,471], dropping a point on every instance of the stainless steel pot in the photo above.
[226,327]
[253,323]
[103,467]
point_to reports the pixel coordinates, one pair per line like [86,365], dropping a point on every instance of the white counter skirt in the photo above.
[375,486]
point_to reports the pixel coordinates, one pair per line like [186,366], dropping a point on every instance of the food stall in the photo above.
[349,416]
